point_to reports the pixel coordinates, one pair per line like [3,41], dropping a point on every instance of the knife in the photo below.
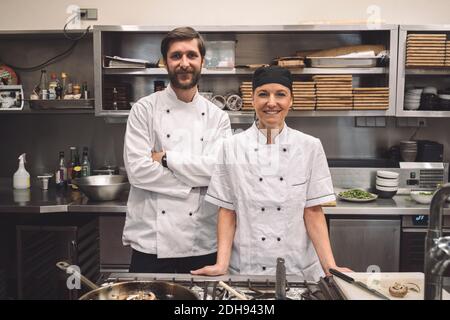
[359,284]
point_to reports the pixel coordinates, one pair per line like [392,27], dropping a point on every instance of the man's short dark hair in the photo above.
[182,34]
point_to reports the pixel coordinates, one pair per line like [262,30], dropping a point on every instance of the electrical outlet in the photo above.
[421,122]
[88,14]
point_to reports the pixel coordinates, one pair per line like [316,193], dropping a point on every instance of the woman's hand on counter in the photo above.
[214,270]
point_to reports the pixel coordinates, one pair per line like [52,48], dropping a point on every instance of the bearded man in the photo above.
[170,151]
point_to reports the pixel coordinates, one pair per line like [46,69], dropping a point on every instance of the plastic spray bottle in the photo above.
[21,179]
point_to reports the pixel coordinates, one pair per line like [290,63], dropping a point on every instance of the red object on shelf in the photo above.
[8,76]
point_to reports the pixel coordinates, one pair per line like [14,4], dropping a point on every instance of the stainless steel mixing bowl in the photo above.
[103,187]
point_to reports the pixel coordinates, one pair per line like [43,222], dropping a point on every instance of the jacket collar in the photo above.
[261,138]
[173,96]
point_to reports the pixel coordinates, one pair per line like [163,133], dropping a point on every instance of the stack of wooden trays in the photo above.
[247,95]
[447,54]
[304,95]
[334,92]
[425,50]
[374,98]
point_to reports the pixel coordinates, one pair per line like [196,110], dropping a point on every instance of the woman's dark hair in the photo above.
[182,34]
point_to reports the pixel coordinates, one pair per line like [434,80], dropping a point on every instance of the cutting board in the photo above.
[381,282]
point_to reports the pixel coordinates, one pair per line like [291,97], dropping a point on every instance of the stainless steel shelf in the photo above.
[423,114]
[243,117]
[262,36]
[161,71]
[252,28]
[427,71]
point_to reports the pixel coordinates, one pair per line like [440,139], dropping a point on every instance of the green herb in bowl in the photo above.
[356,194]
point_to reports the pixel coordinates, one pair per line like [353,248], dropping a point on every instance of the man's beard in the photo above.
[173,77]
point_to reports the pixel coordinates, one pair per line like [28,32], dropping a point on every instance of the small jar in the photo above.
[69,89]
[76,89]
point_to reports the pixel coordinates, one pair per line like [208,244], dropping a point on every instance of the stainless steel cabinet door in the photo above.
[113,255]
[365,244]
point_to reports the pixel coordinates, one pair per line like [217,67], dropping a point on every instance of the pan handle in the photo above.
[64,266]
[240,296]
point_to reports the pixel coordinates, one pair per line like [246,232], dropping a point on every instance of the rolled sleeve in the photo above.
[320,186]
[220,190]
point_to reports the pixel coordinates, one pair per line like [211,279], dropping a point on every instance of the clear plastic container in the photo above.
[220,54]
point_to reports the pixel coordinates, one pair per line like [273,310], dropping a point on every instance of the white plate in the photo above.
[387,174]
[374,197]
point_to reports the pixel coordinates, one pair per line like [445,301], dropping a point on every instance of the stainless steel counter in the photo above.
[36,200]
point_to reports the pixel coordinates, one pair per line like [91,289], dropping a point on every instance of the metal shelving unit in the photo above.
[138,40]
[238,71]
[419,74]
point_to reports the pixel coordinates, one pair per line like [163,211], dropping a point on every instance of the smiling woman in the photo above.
[269,184]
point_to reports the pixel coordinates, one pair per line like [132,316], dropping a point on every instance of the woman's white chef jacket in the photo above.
[268,186]
[166,211]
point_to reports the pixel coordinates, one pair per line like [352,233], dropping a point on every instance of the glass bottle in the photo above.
[52,86]
[115,104]
[64,83]
[73,164]
[43,85]
[85,164]
[61,172]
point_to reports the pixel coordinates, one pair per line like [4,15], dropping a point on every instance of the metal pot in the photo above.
[133,290]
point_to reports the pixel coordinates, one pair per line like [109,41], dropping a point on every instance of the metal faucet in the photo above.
[437,247]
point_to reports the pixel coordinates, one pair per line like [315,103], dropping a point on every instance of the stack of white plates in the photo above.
[412,99]
[386,183]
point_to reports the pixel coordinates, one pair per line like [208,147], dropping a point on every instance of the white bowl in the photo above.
[414,91]
[431,90]
[412,106]
[381,188]
[412,100]
[423,197]
[387,174]
[444,96]
[387,182]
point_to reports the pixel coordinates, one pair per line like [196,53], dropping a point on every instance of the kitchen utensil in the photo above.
[238,295]
[359,284]
[280,280]
[103,187]
[131,290]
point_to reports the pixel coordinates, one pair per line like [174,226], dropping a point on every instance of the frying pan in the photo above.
[132,290]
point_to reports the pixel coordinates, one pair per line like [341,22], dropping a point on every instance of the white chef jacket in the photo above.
[166,211]
[268,186]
